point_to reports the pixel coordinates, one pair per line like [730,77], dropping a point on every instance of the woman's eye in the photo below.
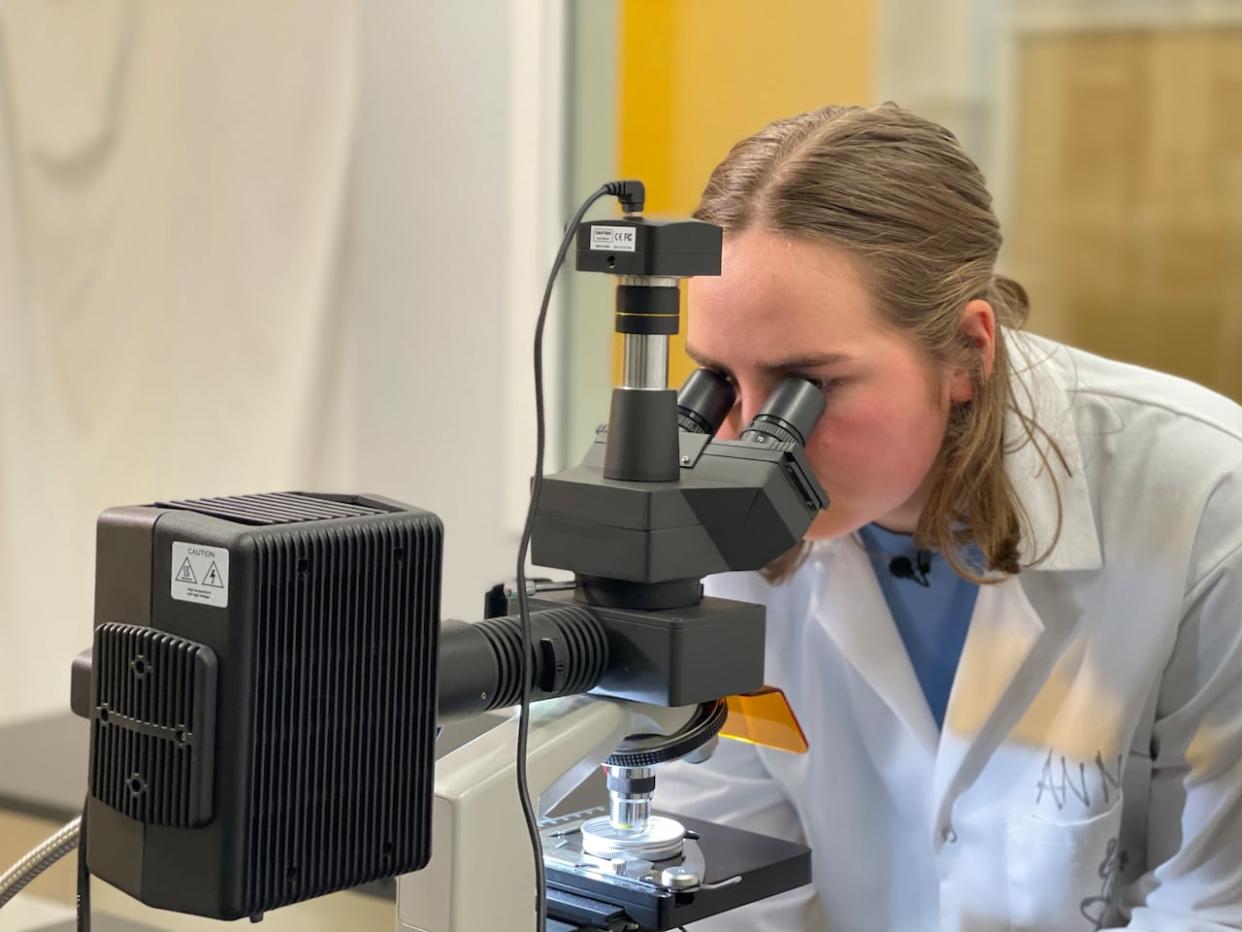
[827,386]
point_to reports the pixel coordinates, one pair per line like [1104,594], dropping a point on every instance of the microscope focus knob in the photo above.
[679,878]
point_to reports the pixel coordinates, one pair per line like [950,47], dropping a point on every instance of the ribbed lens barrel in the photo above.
[481,664]
[789,415]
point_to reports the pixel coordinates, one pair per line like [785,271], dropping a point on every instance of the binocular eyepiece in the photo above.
[788,416]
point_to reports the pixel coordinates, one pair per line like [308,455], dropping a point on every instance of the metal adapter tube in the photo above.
[645,358]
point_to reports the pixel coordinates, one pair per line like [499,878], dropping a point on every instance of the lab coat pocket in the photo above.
[1063,875]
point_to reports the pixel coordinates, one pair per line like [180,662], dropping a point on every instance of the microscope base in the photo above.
[735,867]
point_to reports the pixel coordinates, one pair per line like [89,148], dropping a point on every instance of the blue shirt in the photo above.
[932,619]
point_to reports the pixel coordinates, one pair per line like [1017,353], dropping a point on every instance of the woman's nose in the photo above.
[749,404]
[745,407]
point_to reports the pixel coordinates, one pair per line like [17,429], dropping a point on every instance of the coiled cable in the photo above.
[38,860]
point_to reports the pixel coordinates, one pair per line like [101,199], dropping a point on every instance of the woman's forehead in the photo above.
[776,289]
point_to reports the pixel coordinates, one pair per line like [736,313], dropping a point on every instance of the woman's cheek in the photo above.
[828,454]
[849,447]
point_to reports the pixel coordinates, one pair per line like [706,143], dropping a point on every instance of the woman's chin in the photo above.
[829,525]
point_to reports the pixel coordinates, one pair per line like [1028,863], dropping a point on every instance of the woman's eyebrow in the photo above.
[791,364]
[706,362]
[810,361]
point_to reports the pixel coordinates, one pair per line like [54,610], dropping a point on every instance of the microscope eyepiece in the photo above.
[704,401]
[789,415]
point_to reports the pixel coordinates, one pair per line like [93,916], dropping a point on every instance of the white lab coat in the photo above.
[1089,773]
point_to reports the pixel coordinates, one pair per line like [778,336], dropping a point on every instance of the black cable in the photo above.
[532,824]
[84,878]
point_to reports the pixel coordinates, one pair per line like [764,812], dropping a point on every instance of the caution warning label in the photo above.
[200,574]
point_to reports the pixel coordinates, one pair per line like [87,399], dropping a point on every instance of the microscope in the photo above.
[269,672]
[656,505]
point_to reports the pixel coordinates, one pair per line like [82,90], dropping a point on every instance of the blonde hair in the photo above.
[898,193]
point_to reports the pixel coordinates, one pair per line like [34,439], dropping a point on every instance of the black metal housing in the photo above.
[674,657]
[642,444]
[737,506]
[321,773]
[673,248]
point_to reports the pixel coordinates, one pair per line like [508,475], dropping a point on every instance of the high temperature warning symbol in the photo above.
[186,573]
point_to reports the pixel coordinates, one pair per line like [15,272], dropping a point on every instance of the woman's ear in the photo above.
[978,330]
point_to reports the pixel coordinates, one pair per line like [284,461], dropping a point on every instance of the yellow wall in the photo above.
[1128,203]
[695,76]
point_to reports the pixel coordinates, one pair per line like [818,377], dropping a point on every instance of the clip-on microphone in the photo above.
[917,570]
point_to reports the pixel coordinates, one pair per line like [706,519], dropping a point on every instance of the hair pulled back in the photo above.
[897,192]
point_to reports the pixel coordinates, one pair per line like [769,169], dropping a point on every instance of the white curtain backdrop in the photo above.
[241,250]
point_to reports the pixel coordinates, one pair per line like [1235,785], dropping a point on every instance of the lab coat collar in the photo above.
[1043,382]
[851,606]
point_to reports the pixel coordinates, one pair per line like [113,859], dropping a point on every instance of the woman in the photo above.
[1014,638]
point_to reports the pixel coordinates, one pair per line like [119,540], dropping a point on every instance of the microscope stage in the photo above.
[733,868]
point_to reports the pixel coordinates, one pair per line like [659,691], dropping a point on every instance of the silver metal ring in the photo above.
[664,838]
